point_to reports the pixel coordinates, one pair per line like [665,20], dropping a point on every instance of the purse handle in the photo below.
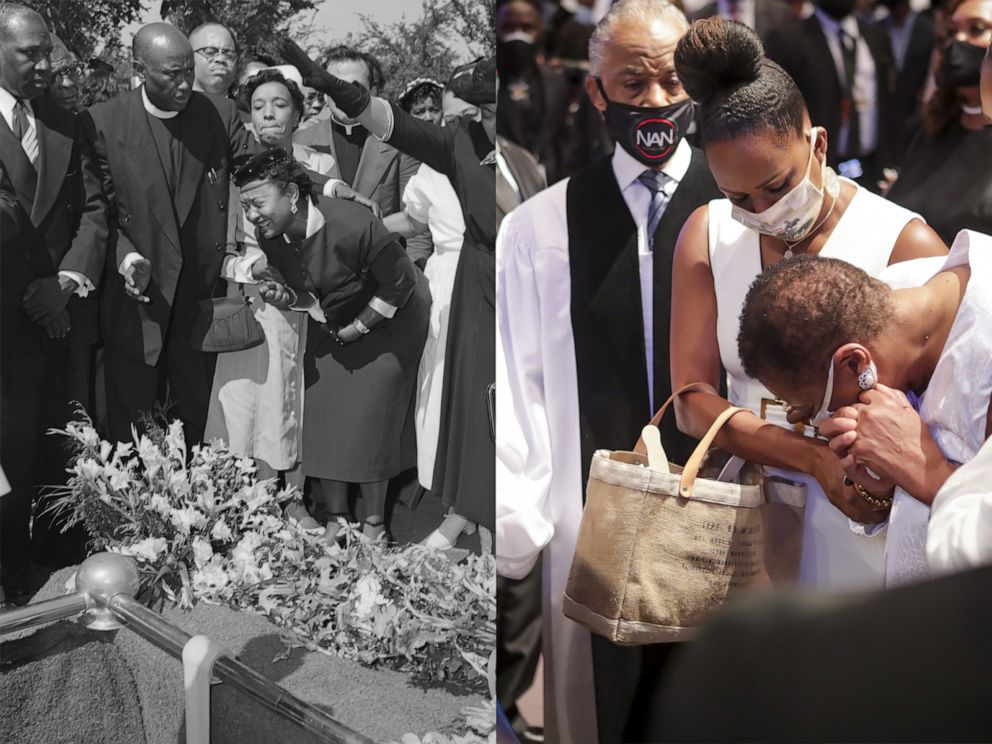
[688,478]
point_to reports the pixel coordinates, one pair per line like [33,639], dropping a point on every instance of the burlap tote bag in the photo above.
[657,551]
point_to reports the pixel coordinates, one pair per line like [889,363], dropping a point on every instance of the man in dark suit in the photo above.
[49,311]
[912,36]
[584,278]
[532,103]
[762,16]
[845,71]
[370,166]
[164,153]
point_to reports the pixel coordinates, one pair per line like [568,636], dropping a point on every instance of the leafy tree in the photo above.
[447,33]
[257,24]
[86,26]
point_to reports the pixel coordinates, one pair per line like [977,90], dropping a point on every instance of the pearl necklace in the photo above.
[789,246]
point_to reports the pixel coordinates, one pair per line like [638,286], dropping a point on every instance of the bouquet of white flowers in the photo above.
[201,527]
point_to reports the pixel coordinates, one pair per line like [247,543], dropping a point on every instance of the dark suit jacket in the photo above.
[806,56]
[188,236]
[382,171]
[905,664]
[769,15]
[913,76]
[525,172]
[382,176]
[550,91]
[41,216]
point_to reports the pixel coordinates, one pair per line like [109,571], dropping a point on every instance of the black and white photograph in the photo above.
[248,367]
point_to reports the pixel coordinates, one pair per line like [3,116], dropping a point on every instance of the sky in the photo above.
[339,17]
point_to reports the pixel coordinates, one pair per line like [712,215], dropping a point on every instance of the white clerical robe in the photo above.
[538,473]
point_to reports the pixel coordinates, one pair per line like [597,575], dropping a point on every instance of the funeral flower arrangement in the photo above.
[203,528]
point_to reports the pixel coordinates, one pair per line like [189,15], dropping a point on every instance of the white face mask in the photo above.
[792,217]
[866,381]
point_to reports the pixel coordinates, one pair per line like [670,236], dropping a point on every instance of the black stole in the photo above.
[608,331]
[607,325]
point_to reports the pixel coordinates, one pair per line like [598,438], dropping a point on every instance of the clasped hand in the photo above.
[885,434]
[137,277]
[276,294]
[44,299]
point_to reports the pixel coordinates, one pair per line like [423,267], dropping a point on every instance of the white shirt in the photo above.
[745,11]
[637,196]
[430,199]
[7,103]
[865,94]
[959,535]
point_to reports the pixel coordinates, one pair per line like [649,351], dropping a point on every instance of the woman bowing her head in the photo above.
[782,198]
[368,306]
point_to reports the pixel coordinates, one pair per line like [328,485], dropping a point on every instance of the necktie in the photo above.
[23,130]
[848,50]
[654,182]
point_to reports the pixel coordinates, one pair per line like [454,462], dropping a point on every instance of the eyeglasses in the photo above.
[213,53]
[70,72]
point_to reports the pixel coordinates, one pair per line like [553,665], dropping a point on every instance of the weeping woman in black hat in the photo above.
[464,473]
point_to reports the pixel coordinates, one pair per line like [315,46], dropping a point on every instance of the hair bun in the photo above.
[716,54]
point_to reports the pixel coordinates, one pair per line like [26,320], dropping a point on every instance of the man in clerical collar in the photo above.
[583,306]
[370,167]
[163,152]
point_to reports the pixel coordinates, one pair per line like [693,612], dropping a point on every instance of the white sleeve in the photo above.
[959,535]
[523,437]
[417,199]
[238,268]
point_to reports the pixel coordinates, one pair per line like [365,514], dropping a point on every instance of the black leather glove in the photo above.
[351,98]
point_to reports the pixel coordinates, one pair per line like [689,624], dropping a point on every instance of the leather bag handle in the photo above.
[688,478]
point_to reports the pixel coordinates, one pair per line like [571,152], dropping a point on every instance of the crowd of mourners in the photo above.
[260,247]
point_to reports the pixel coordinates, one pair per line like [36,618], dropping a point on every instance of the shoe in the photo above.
[375,527]
[533,735]
[447,534]
[298,512]
[333,528]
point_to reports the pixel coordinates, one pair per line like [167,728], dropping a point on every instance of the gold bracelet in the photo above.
[878,503]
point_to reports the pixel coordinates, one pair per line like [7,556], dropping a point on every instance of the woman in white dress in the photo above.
[908,373]
[782,199]
[256,404]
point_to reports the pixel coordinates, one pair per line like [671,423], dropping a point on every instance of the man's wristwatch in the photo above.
[361,327]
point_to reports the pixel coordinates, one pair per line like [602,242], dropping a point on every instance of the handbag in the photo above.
[226,324]
[661,546]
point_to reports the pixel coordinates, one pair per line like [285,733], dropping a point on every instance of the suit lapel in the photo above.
[376,157]
[196,141]
[15,162]
[142,157]
[55,150]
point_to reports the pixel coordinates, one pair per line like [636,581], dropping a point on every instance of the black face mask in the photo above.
[837,9]
[515,57]
[963,64]
[649,133]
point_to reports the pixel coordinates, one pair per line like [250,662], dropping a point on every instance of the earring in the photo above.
[293,208]
[868,377]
